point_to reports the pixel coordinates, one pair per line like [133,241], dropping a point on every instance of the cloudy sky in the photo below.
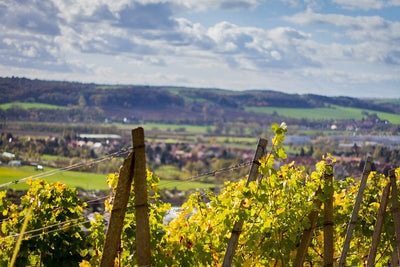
[336,47]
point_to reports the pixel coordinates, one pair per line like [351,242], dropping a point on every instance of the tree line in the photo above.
[90,94]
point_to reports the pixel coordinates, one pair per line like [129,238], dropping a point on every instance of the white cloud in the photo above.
[351,22]
[281,47]
[361,4]
[229,37]
[355,77]
[276,55]
[156,31]
[287,35]
[294,3]
[367,4]
[376,39]
[145,41]
[201,5]
[123,34]
[74,10]
[36,17]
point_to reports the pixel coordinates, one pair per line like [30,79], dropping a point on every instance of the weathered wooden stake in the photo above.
[328,217]
[237,228]
[113,235]
[354,215]
[134,166]
[396,209]
[378,226]
[141,201]
[395,258]
[307,233]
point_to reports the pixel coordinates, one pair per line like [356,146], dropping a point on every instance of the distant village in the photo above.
[348,150]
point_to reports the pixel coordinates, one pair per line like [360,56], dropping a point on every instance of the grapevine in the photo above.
[275,210]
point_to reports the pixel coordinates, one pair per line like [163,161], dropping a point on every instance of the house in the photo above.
[15,163]
[39,168]
[8,155]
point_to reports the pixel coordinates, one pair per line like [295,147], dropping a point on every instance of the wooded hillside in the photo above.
[80,102]
[72,93]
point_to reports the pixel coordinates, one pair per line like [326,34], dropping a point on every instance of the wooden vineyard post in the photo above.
[354,215]
[114,230]
[328,223]
[307,233]
[328,216]
[134,165]
[395,258]
[378,226]
[141,201]
[396,209]
[237,228]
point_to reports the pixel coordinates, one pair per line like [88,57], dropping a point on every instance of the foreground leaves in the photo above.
[274,209]
[53,235]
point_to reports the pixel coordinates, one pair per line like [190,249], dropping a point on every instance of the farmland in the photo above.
[25,105]
[326,113]
[188,130]
[84,180]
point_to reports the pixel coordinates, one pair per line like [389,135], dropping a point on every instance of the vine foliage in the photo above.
[274,209]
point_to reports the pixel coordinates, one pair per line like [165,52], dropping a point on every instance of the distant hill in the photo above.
[72,94]
[95,102]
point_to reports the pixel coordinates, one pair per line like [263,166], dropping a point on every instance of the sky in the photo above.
[336,47]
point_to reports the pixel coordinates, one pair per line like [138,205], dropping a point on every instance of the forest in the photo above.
[79,102]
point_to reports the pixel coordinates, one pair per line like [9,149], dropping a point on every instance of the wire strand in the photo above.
[169,183]
[47,227]
[97,161]
[56,230]
[68,168]
[96,199]
[205,174]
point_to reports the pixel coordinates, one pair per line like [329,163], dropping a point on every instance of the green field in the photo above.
[84,180]
[238,142]
[165,127]
[189,185]
[53,158]
[30,105]
[170,172]
[387,101]
[332,113]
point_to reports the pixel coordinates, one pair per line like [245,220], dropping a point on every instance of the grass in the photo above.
[30,105]
[174,178]
[393,118]
[46,157]
[169,172]
[331,113]
[108,87]
[167,127]
[189,185]
[84,180]
[233,141]
[388,101]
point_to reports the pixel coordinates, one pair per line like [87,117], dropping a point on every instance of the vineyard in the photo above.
[277,216]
